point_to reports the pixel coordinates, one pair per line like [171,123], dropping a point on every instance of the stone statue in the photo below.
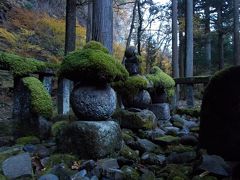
[131,61]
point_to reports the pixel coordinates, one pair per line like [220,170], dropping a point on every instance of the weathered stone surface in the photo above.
[153,159]
[141,100]
[179,158]
[17,166]
[136,119]
[93,102]
[215,164]
[220,114]
[91,139]
[161,110]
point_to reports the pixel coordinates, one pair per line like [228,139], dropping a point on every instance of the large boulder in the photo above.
[220,115]
[93,102]
[136,119]
[91,139]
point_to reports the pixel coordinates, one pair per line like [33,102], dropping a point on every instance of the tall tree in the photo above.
[102,24]
[236,33]
[220,35]
[139,30]
[208,53]
[70,39]
[189,50]
[175,62]
[89,21]
[132,23]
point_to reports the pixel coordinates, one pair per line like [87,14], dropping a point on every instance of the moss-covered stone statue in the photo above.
[131,61]
[161,92]
[32,106]
[133,90]
[220,115]
[93,101]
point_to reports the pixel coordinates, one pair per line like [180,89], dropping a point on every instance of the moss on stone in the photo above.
[28,140]
[92,66]
[167,139]
[131,86]
[96,46]
[21,66]
[130,173]
[193,112]
[58,127]
[128,153]
[41,102]
[160,78]
[2,177]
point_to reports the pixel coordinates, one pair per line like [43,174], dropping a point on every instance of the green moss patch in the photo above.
[193,112]
[96,46]
[28,140]
[58,127]
[41,101]
[160,78]
[21,66]
[132,85]
[92,66]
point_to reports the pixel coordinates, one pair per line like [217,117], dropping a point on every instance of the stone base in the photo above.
[161,111]
[91,139]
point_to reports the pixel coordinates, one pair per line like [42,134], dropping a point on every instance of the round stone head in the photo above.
[131,61]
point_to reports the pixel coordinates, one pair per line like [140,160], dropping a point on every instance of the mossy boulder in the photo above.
[135,119]
[41,101]
[21,66]
[28,140]
[220,114]
[161,79]
[92,65]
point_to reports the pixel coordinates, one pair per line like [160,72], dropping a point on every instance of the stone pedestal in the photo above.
[161,110]
[92,136]
[92,139]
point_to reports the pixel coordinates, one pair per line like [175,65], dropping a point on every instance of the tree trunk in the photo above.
[139,32]
[236,33]
[70,36]
[70,39]
[102,27]
[208,40]
[189,50]
[175,62]
[132,24]
[89,21]
[220,38]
